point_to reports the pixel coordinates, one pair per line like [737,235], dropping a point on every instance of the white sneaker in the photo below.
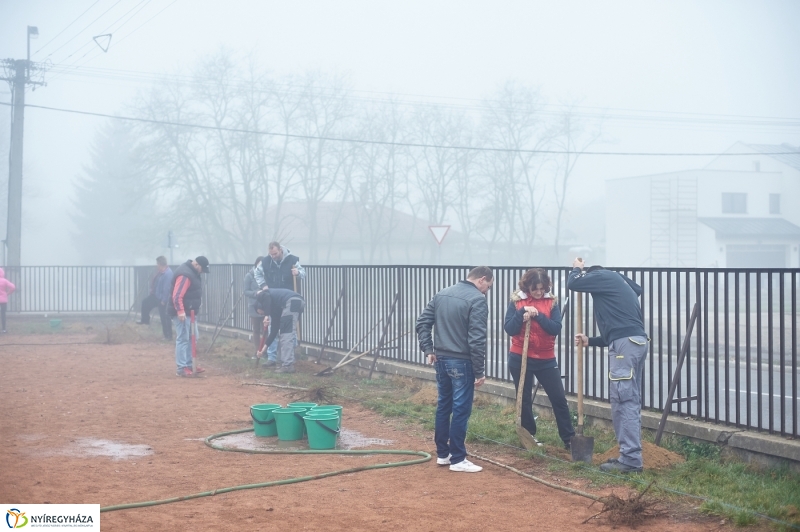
[443,461]
[465,466]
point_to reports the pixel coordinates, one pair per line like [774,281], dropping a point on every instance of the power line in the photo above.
[107,29]
[122,74]
[401,144]
[710,121]
[84,29]
[65,29]
[74,65]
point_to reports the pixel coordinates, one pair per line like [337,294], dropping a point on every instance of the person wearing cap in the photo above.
[187,295]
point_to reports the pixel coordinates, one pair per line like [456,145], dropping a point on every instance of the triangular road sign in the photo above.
[439,232]
[103,41]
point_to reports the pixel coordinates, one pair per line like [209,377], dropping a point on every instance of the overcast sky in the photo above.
[659,64]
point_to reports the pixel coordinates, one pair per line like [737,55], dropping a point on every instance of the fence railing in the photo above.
[742,366]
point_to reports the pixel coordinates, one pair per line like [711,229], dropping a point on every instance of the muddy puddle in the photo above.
[348,439]
[90,447]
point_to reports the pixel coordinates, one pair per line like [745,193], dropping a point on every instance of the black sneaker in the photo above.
[615,466]
[568,445]
[285,369]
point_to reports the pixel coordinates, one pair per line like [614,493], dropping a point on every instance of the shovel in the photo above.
[581,447]
[528,441]
[261,346]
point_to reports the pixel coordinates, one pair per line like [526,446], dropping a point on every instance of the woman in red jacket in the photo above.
[533,302]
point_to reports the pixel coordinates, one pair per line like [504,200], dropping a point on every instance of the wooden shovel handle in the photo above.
[524,368]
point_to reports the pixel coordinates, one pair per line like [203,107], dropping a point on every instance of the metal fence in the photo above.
[741,370]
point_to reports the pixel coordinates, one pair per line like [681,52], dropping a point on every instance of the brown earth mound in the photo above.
[654,457]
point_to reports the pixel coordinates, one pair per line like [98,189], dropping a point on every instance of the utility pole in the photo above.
[18,75]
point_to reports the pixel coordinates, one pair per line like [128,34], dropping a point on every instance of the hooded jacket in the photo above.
[272,303]
[616,304]
[545,326]
[6,287]
[279,274]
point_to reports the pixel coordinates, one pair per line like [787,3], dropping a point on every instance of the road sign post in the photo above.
[439,232]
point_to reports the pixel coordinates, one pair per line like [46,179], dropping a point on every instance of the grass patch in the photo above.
[727,484]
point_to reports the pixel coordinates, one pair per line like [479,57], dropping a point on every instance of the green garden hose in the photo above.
[209,441]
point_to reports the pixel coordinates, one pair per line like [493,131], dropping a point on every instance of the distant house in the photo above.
[740,211]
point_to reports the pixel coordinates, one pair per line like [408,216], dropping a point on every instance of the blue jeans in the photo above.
[272,350]
[456,384]
[183,344]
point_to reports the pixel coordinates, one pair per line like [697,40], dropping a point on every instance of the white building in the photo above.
[740,211]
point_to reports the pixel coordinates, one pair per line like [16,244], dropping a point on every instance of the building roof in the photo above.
[747,226]
[791,159]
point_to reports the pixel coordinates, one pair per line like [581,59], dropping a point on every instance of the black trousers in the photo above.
[550,380]
[148,304]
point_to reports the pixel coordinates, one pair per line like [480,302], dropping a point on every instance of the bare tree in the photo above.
[513,125]
[318,160]
[435,166]
[380,180]
[574,138]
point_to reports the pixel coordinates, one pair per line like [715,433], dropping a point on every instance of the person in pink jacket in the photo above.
[6,287]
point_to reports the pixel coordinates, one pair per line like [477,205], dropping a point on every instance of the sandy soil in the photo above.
[112,424]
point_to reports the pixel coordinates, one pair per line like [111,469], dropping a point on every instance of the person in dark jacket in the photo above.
[619,317]
[457,317]
[187,295]
[250,290]
[279,269]
[160,289]
[533,302]
[281,309]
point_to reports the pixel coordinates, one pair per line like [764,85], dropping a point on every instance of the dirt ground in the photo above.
[112,424]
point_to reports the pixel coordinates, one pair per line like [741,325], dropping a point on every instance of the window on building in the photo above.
[734,202]
[774,203]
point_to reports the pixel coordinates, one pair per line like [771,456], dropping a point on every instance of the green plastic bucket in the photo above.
[323,429]
[289,422]
[327,408]
[263,420]
[301,405]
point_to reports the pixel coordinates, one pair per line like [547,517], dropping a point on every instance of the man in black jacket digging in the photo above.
[281,308]
[619,318]
[457,315]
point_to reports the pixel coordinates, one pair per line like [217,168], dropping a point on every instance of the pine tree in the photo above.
[115,218]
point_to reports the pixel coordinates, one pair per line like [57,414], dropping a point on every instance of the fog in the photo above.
[511,122]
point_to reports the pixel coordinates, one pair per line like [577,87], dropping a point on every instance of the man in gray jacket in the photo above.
[458,350]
